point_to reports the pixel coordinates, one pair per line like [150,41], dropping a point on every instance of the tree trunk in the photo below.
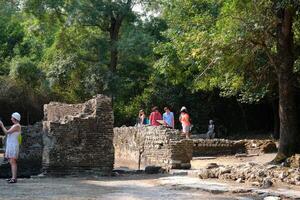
[115,25]
[289,140]
[276,121]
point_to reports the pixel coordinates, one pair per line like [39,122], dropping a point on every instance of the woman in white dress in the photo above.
[12,144]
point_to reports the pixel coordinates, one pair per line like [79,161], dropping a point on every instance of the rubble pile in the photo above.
[253,173]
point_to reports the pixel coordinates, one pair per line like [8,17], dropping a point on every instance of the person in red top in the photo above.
[185,121]
[154,116]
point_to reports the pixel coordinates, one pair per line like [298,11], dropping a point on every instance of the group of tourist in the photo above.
[167,119]
[12,144]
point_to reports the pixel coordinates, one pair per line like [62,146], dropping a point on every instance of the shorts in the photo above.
[186,128]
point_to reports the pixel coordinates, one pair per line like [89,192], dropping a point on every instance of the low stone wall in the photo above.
[80,143]
[217,147]
[138,147]
[30,156]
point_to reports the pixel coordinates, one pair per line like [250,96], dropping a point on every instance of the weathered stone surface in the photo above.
[260,146]
[269,147]
[267,182]
[212,165]
[294,161]
[78,138]
[138,147]
[212,147]
[256,174]
[30,156]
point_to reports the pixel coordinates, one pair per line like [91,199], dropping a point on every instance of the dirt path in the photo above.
[134,187]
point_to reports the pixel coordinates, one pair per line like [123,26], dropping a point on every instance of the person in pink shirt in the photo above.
[154,116]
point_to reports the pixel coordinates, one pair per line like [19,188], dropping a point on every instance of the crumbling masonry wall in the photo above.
[138,147]
[78,138]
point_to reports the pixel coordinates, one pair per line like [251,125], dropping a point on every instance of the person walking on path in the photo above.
[12,144]
[168,117]
[154,116]
[184,118]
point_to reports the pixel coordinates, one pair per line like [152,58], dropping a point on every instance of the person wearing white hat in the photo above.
[12,144]
[184,118]
[183,108]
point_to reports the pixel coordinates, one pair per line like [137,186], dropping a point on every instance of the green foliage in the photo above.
[61,50]
[25,72]
[221,44]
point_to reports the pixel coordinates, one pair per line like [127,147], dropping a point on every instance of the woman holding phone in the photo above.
[12,144]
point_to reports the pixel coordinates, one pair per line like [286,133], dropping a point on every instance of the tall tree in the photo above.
[286,56]
[109,17]
[245,48]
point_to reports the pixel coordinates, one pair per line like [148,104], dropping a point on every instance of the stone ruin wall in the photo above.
[138,147]
[213,147]
[78,138]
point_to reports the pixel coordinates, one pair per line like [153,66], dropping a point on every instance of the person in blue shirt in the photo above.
[168,117]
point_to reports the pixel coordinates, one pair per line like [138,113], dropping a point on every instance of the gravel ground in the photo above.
[131,187]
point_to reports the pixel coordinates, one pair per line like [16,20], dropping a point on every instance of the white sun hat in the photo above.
[183,108]
[16,116]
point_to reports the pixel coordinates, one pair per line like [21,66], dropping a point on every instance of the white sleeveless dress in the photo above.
[12,145]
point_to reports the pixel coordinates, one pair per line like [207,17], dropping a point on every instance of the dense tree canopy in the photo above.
[224,59]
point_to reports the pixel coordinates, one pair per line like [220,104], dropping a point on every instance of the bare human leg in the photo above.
[13,164]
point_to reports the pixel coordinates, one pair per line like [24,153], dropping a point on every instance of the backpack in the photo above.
[20,139]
